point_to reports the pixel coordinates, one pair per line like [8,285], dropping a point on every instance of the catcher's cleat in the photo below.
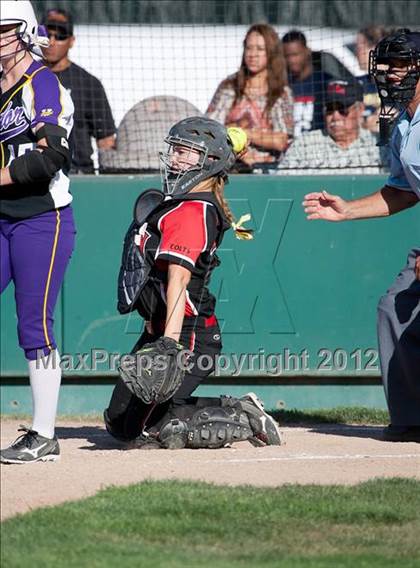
[31,447]
[265,429]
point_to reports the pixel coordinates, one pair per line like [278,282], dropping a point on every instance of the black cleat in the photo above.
[401,433]
[265,428]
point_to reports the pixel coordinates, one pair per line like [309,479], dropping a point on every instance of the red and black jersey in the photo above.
[184,231]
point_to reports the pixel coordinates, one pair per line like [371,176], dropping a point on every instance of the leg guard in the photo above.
[211,427]
[112,430]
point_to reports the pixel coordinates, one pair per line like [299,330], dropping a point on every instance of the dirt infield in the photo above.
[91,460]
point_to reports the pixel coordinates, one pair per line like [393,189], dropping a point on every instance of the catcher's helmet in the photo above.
[204,136]
[21,13]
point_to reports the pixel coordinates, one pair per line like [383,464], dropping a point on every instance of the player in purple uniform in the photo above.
[36,221]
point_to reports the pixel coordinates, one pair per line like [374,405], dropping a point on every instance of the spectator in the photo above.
[366,40]
[257,97]
[343,143]
[308,85]
[92,116]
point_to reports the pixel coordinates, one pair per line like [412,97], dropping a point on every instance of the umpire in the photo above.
[395,66]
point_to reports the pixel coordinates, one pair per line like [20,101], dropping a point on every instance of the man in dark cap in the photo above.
[92,116]
[343,143]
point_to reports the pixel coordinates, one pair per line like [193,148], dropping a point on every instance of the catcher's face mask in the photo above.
[183,161]
[394,64]
[191,137]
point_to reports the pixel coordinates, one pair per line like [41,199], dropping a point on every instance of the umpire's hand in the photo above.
[323,205]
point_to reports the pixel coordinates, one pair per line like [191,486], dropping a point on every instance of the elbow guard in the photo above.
[42,165]
[32,167]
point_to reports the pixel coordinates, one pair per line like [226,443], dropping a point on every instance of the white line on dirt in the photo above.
[327,457]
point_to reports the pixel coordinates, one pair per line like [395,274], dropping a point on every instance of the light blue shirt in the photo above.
[405,153]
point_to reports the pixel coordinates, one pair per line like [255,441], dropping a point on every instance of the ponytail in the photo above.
[241,232]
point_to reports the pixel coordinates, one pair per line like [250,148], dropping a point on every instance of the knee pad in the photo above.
[112,430]
[211,427]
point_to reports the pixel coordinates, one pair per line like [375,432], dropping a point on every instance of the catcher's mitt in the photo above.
[155,372]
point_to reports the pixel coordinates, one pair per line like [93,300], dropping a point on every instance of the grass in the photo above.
[195,525]
[338,415]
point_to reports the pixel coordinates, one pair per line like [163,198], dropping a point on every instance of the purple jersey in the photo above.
[38,97]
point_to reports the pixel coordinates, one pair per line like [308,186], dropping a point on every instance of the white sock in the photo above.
[45,378]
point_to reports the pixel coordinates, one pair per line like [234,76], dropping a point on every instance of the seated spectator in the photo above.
[343,143]
[308,85]
[257,98]
[141,134]
[92,113]
[366,40]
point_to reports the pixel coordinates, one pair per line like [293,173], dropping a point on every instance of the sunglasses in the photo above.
[58,36]
[344,111]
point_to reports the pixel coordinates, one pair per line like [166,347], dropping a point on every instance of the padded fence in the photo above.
[298,300]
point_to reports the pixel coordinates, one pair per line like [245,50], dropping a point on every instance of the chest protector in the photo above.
[136,266]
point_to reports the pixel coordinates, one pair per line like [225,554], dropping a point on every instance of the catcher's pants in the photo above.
[399,345]
[126,412]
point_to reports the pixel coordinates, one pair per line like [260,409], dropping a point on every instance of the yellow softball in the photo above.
[238,138]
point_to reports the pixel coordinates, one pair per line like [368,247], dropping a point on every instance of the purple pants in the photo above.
[34,254]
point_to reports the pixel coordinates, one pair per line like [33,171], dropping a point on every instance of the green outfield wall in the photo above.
[297,303]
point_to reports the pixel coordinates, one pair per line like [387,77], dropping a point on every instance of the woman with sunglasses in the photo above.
[36,220]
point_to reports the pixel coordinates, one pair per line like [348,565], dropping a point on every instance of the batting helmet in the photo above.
[21,13]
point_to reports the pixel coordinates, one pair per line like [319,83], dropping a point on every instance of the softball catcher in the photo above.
[168,257]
